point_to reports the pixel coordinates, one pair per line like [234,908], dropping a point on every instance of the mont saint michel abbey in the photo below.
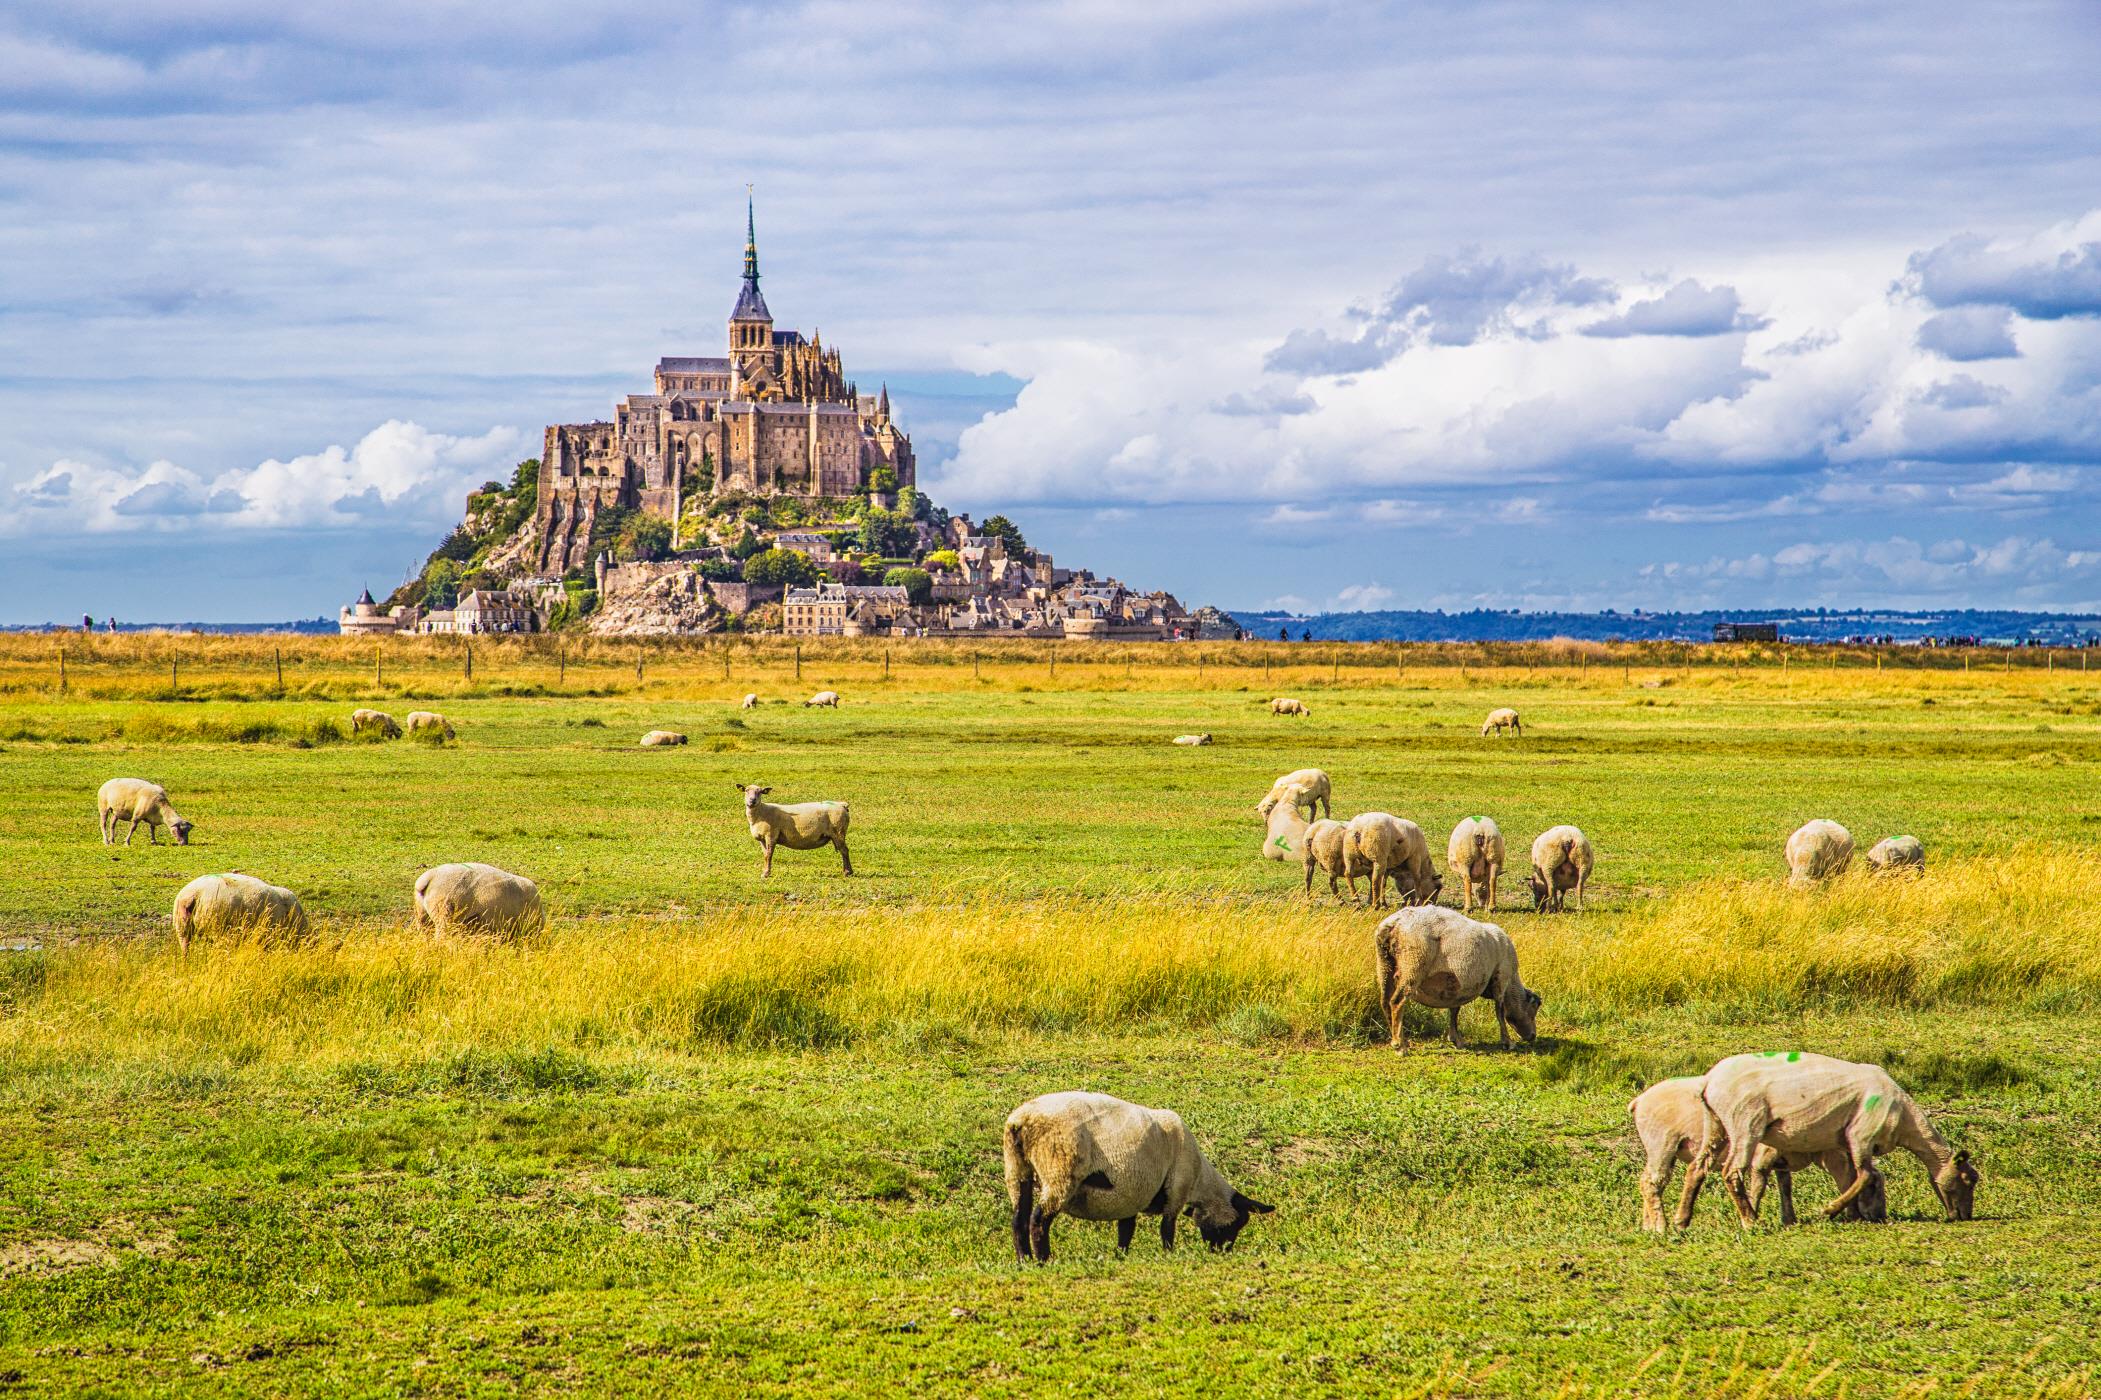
[775,416]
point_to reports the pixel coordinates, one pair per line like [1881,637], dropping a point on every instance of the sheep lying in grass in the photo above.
[802,826]
[1897,853]
[471,897]
[1500,720]
[1438,957]
[428,724]
[1306,788]
[1192,741]
[1819,850]
[824,700]
[1475,856]
[1671,1120]
[135,800]
[378,721]
[235,904]
[1798,1103]
[662,738]
[1285,705]
[751,702]
[1283,833]
[1094,1157]
[1562,860]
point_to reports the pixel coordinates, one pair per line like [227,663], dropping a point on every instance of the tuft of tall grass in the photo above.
[2018,931]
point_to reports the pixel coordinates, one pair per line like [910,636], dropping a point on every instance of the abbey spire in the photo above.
[751,307]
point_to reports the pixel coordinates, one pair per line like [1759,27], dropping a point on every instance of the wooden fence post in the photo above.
[973,665]
[561,663]
[1054,658]
[469,668]
[280,655]
[638,663]
[175,674]
[886,663]
[61,670]
[798,661]
[379,663]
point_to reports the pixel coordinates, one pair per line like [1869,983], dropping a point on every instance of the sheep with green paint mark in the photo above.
[1670,1119]
[1283,833]
[1799,1103]
[1897,854]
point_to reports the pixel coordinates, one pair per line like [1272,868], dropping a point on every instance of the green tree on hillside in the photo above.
[1006,530]
[789,568]
[917,583]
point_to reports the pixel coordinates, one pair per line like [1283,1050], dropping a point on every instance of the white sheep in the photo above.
[1305,787]
[1193,741]
[662,738]
[1562,860]
[235,904]
[1796,1102]
[430,722]
[1437,957]
[1285,705]
[801,826]
[1475,856]
[1897,853]
[1500,720]
[1283,833]
[751,702]
[1325,846]
[471,897]
[135,800]
[824,700]
[1670,1119]
[378,721]
[1819,850]
[1392,848]
[1094,1157]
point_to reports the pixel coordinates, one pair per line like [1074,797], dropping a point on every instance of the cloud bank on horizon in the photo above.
[1780,309]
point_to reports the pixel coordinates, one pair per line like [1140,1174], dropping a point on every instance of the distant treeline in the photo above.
[1986,626]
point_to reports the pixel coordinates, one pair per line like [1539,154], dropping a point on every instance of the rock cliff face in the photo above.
[672,605]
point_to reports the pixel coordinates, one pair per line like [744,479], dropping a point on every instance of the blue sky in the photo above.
[1349,305]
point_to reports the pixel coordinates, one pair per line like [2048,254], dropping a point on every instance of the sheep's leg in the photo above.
[1743,1143]
[1502,1021]
[845,859]
[1655,1176]
[767,845]
[1453,1034]
[1167,1229]
[1024,1211]
[1396,1022]
[1579,892]
[1039,1235]
[1495,878]
[1125,1228]
[1785,1180]
[1695,1177]
[1860,1154]
[134,830]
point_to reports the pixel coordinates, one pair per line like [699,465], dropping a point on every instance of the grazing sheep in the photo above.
[1819,850]
[1283,834]
[1796,1102]
[1897,853]
[1192,741]
[751,702]
[802,826]
[1500,720]
[1285,705]
[235,904]
[1671,1120]
[430,722]
[1307,787]
[1094,1157]
[1561,861]
[1438,957]
[474,898]
[377,720]
[1325,846]
[1475,855]
[662,738]
[135,800]
[1390,847]
[823,699]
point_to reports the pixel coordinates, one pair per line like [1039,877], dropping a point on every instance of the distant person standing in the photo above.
[1283,634]
[87,623]
[113,623]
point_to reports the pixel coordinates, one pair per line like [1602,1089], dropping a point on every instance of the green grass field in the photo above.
[727,1136]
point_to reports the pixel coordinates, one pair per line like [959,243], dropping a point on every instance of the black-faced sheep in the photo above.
[800,826]
[1799,1103]
[135,800]
[1094,1157]
[235,904]
[1439,958]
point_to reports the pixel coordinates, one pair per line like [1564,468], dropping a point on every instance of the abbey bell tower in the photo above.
[751,324]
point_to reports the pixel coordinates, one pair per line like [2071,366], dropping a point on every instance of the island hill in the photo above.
[758,490]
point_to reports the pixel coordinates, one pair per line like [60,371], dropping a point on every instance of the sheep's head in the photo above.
[1266,806]
[181,829]
[1956,1184]
[1872,1204]
[1523,1012]
[752,791]
[1541,891]
[1221,1225]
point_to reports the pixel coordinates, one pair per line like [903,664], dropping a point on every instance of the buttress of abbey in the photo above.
[775,416]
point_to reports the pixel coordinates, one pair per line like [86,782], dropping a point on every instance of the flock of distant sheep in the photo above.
[1757,1117]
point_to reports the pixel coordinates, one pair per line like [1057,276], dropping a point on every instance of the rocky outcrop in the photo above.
[671,604]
